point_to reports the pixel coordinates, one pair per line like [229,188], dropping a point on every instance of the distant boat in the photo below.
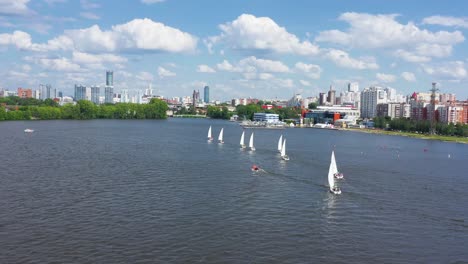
[283,151]
[242,140]
[251,145]
[280,143]
[331,178]
[28,130]
[336,173]
[210,138]
[220,137]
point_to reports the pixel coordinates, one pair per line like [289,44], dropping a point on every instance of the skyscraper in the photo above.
[95,93]
[109,78]
[206,94]
[80,92]
[353,87]
[109,89]
[370,98]
[322,98]
[109,95]
[331,96]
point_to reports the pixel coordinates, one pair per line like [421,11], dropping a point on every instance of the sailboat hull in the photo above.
[338,175]
[336,191]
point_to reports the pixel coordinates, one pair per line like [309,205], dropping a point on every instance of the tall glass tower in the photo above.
[109,78]
[206,95]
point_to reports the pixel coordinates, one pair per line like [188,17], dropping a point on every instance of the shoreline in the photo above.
[409,134]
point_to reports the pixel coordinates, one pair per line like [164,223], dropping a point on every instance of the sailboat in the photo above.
[280,143]
[251,145]
[210,138]
[331,178]
[283,151]
[242,140]
[220,137]
[336,173]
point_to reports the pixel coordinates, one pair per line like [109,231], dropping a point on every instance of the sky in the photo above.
[245,48]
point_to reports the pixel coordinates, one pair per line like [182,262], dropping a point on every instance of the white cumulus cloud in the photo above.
[263,65]
[342,59]
[408,76]
[410,57]
[249,32]
[205,68]
[311,70]
[163,73]
[252,64]
[453,70]
[57,64]
[85,58]
[136,35]
[304,82]
[14,7]
[448,21]
[386,78]
[383,31]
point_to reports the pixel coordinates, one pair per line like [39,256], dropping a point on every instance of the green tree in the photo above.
[70,111]
[50,102]
[248,110]
[87,109]
[312,106]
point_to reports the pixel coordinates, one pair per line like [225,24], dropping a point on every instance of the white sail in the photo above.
[220,137]
[242,139]
[283,149]
[280,141]
[331,178]
[251,144]
[333,163]
[209,133]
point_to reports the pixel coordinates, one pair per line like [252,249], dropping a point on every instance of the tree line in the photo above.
[155,109]
[248,111]
[423,126]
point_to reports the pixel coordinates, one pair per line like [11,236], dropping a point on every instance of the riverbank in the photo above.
[463,140]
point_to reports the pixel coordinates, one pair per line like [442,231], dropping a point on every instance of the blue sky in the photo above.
[257,48]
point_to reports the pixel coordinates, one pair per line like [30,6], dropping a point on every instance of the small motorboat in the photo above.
[28,130]
[255,168]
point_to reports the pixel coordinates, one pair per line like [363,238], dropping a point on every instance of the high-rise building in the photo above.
[353,87]
[109,95]
[60,94]
[322,98]
[195,98]
[109,89]
[109,78]
[331,96]
[80,92]
[444,98]
[370,98]
[37,94]
[206,94]
[95,93]
[124,97]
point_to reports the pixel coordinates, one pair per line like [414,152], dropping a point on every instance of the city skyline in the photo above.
[243,49]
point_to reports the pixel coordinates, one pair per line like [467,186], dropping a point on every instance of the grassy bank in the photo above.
[414,135]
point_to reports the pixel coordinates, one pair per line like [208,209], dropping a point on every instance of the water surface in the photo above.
[116,191]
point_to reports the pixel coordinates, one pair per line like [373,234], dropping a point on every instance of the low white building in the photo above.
[266,117]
